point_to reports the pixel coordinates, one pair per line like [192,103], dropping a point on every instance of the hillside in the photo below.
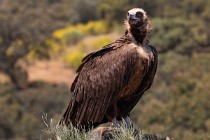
[43,42]
[176,105]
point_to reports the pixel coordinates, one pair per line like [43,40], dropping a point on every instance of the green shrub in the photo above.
[72,37]
[100,42]
[73,33]
[178,101]
[94,44]
[21,110]
[74,58]
[54,47]
[96,27]
[68,36]
[177,34]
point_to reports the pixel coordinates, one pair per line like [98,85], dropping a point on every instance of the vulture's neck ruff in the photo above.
[138,26]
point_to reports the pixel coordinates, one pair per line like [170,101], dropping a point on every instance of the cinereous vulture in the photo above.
[111,80]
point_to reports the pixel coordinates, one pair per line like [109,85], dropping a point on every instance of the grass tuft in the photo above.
[63,132]
[123,132]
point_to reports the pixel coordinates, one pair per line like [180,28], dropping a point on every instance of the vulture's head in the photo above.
[137,18]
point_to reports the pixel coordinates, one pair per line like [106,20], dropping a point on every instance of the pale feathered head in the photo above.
[137,18]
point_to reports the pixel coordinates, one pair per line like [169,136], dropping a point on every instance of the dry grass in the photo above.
[122,132]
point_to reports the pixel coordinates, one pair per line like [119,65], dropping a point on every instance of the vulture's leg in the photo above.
[127,121]
[115,123]
[111,115]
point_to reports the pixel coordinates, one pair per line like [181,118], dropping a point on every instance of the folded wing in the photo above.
[101,77]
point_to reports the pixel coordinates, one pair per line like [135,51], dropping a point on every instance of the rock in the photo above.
[106,133]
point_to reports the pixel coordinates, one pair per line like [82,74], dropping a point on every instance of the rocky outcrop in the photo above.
[107,133]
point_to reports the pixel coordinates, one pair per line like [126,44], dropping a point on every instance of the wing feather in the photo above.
[128,104]
[100,78]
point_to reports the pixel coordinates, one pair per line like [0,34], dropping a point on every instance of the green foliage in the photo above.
[72,37]
[116,10]
[68,36]
[84,10]
[21,111]
[191,17]
[173,35]
[55,47]
[33,31]
[74,58]
[100,42]
[96,27]
[178,104]
[95,44]
[25,27]
[91,28]
[74,33]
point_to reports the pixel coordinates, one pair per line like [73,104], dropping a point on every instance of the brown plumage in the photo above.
[112,80]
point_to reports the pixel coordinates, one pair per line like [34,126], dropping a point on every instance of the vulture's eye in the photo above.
[128,13]
[139,14]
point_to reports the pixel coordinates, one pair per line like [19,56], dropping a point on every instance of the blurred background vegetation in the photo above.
[42,43]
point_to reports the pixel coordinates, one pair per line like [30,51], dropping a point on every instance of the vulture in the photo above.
[111,80]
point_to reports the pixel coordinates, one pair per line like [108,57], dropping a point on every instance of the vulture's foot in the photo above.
[115,123]
[127,121]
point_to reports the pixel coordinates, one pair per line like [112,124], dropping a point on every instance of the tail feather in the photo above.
[65,120]
[80,116]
